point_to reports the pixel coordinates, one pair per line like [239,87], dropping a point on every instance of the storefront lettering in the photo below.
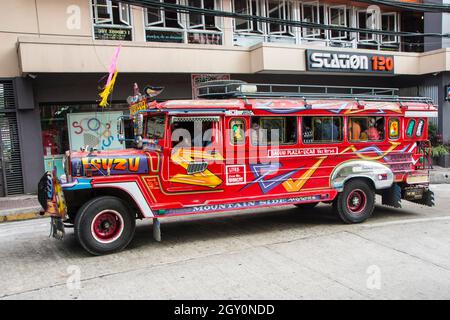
[116,164]
[348,62]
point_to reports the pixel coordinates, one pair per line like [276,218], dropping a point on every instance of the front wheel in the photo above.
[356,203]
[104,225]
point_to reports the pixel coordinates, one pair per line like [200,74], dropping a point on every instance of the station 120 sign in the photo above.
[344,62]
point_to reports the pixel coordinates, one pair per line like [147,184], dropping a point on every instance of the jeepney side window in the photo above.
[273,131]
[155,127]
[321,129]
[410,128]
[237,131]
[394,128]
[196,132]
[420,127]
[366,128]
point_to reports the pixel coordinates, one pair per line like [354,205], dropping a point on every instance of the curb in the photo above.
[20,214]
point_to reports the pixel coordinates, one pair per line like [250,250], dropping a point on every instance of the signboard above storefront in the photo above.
[348,62]
[112,33]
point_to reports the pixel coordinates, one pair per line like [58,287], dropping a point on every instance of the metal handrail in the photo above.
[235,90]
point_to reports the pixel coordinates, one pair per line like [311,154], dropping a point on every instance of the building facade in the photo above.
[54,56]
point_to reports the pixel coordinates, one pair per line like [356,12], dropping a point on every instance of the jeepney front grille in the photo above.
[196,167]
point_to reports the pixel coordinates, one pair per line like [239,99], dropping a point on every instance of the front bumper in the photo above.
[51,198]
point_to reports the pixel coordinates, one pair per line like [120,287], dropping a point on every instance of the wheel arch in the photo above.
[123,195]
[377,174]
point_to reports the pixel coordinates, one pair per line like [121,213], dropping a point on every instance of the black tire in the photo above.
[356,203]
[306,206]
[112,230]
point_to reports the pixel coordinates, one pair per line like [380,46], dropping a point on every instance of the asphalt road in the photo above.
[275,254]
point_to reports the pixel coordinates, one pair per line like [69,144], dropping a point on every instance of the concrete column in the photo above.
[138,23]
[227,24]
[446,26]
[432,24]
[29,127]
[444,109]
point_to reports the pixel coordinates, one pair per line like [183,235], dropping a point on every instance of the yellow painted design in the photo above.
[378,157]
[184,157]
[294,186]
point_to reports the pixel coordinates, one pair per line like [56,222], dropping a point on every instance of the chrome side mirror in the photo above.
[139,124]
[121,130]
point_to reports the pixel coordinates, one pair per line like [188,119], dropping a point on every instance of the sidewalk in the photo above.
[439,175]
[25,207]
[21,207]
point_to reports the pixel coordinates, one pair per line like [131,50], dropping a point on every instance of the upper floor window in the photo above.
[311,13]
[337,16]
[322,129]
[112,20]
[204,28]
[251,8]
[389,23]
[163,25]
[366,19]
[168,25]
[278,9]
[160,17]
[203,21]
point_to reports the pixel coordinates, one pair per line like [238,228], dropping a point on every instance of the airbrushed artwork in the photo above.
[206,155]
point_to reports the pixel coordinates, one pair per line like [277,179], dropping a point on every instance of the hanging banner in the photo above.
[94,129]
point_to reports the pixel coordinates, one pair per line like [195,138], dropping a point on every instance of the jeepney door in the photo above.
[196,160]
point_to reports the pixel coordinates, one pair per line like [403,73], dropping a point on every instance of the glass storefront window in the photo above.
[56,129]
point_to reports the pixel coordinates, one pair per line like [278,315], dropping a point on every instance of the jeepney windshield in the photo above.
[155,127]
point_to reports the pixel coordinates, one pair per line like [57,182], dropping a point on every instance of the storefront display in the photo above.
[71,127]
[94,129]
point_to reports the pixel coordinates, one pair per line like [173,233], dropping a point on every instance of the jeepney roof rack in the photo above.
[228,89]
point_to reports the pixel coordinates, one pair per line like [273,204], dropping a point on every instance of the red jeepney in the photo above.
[250,146]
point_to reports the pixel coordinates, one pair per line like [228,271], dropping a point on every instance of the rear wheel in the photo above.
[104,225]
[356,203]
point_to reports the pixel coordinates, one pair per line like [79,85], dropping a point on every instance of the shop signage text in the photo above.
[326,61]
[138,106]
[108,33]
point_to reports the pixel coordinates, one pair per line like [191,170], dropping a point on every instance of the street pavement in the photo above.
[275,254]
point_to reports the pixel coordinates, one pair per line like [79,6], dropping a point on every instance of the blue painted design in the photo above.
[78,184]
[245,205]
[377,150]
[261,171]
